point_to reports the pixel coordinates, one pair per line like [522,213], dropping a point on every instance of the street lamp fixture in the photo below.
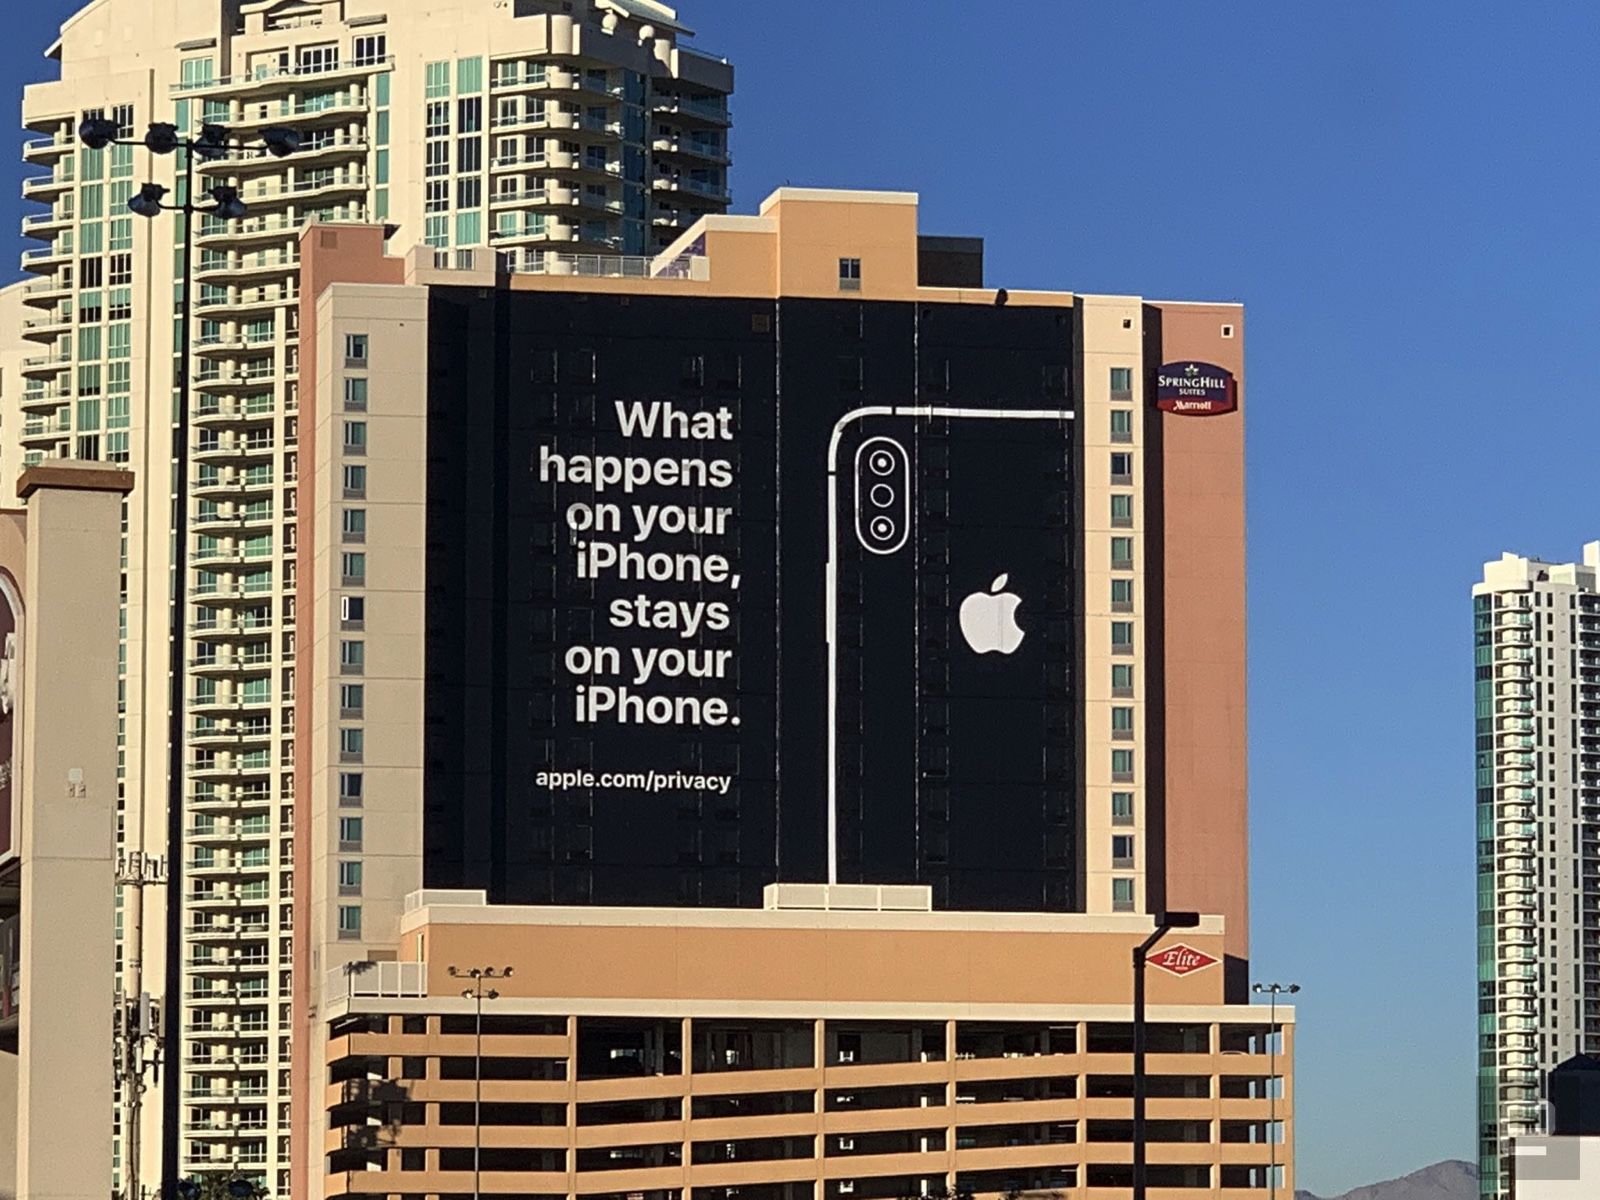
[229,206]
[280,142]
[211,144]
[162,138]
[1165,922]
[1273,990]
[148,203]
[97,132]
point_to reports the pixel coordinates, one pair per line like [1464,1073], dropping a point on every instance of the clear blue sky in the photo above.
[1405,198]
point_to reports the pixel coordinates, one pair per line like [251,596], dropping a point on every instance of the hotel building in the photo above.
[1536,646]
[723,942]
[547,129]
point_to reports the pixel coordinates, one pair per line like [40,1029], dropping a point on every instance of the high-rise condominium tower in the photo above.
[542,128]
[1536,635]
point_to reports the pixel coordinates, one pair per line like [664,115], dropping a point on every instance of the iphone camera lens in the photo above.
[881,462]
[882,528]
[881,495]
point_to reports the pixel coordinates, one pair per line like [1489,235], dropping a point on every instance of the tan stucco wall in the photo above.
[1205,733]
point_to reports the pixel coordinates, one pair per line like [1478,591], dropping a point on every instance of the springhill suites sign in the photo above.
[1196,389]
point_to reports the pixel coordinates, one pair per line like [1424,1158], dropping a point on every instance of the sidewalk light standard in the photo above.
[1273,990]
[478,993]
[212,144]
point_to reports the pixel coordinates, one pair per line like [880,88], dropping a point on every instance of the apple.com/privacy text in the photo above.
[633,781]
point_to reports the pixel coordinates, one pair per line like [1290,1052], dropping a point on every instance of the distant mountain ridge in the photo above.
[1443,1181]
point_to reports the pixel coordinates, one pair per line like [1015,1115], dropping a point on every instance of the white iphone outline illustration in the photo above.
[873,545]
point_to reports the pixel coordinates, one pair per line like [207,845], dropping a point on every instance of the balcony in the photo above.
[46,224]
[47,364]
[48,428]
[565,163]
[220,737]
[243,302]
[49,327]
[270,81]
[45,258]
[683,188]
[230,803]
[574,84]
[48,149]
[233,449]
[46,293]
[247,267]
[695,110]
[231,833]
[236,521]
[220,414]
[47,187]
[228,663]
[708,153]
[302,114]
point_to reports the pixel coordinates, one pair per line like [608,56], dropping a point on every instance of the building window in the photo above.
[1122,595]
[1122,511]
[1121,722]
[1122,895]
[371,50]
[352,744]
[355,483]
[352,831]
[353,569]
[1122,554]
[1122,766]
[350,789]
[352,612]
[314,60]
[354,524]
[356,346]
[849,274]
[355,437]
[1122,680]
[1121,383]
[1122,425]
[1122,808]
[352,699]
[1122,851]
[1122,637]
[349,922]
[438,80]
[1122,468]
[352,657]
[350,879]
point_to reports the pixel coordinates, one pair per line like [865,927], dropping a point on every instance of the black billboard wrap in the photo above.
[723,592]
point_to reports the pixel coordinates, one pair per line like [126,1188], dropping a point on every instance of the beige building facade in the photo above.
[58,671]
[547,130]
[1162,761]
[842,1042]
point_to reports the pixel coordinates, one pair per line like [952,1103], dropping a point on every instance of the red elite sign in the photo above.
[1182,960]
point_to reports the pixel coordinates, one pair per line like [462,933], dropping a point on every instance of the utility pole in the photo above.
[138,1019]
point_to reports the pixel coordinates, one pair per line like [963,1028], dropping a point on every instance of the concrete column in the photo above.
[66,783]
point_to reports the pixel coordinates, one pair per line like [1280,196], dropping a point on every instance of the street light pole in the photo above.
[212,143]
[1165,922]
[1273,990]
[478,993]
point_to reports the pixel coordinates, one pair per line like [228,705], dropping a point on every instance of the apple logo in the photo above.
[989,620]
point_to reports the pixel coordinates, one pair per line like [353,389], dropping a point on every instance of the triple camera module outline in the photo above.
[882,485]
